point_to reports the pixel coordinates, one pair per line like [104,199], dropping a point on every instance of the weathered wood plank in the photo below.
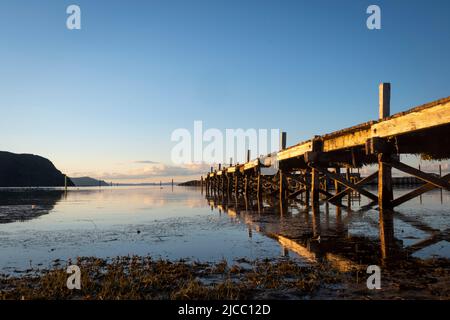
[414,121]
[295,151]
[251,165]
[348,140]
[231,169]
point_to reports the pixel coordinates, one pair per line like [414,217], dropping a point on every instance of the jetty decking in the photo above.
[305,169]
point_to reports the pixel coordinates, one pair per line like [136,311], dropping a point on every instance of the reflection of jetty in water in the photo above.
[23,204]
[322,233]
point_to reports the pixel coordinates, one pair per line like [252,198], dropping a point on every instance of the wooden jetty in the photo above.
[305,169]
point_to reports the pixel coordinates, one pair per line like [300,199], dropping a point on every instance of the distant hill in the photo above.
[192,183]
[89,182]
[28,170]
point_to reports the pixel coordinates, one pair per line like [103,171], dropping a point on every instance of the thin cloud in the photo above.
[146,162]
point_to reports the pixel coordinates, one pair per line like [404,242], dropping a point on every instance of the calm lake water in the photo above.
[39,226]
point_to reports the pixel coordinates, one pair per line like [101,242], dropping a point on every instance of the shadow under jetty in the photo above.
[348,239]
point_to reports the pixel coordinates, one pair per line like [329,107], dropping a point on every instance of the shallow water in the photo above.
[39,226]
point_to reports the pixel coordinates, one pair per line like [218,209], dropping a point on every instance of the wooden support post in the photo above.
[248,155]
[222,178]
[308,186]
[386,223]
[258,187]
[317,147]
[315,187]
[385,192]
[349,192]
[316,221]
[337,186]
[246,184]
[236,184]
[280,187]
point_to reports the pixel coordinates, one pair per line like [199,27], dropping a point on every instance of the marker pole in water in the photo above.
[440,176]
[201,184]
[65,183]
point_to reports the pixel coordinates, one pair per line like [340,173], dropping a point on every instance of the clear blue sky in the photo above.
[99,99]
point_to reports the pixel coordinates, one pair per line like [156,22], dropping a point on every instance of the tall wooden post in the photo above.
[385,193]
[283,138]
[384,95]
